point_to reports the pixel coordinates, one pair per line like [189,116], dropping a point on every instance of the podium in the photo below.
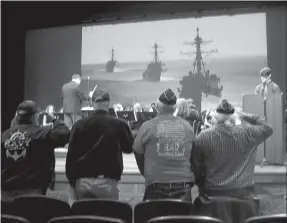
[272,150]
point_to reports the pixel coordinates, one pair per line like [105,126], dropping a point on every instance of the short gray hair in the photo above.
[76,76]
[164,108]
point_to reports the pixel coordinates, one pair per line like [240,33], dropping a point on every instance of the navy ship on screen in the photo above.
[199,81]
[155,68]
[110,66]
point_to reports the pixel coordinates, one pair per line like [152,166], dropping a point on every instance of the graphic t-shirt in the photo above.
[166,142]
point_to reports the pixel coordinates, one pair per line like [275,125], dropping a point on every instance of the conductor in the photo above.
[72,101]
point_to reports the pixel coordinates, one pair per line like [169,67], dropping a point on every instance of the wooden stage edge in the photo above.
[131,175]
[270,185]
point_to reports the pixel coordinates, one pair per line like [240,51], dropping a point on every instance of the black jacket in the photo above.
[96,146]
[72,98]
[27,154]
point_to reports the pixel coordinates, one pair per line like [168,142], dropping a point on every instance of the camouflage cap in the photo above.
[225,108]
[168,97]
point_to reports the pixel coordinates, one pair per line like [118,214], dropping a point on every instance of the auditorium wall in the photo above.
[61,63]
[52,56]
[276,44]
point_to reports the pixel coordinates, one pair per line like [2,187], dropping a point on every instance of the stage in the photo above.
[270,184]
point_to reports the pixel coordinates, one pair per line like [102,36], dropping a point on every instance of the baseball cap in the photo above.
[168,97]
[100,95]
[27,108]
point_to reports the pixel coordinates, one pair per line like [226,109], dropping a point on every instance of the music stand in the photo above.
[149,115]
[270,151]
[127,115]
[264,161]
[60,116]
[112,112]
[255,104]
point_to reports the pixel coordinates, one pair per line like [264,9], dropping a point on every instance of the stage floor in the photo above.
[270,184]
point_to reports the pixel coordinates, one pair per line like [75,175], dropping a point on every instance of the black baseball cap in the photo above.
[100,95]
[28,108]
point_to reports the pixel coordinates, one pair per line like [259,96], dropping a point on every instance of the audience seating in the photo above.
[40,209]
[147,210]
[7,207]
[227,209]
[85,219]
[12,219]
[277,218]
[105,208]
[184,219]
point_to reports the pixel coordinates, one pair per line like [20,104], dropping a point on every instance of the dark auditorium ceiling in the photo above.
[33,15]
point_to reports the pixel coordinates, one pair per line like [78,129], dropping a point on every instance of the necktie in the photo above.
[264,91]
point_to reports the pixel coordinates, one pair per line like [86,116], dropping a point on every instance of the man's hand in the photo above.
[91,94]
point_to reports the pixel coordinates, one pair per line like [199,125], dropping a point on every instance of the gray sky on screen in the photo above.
[240,35]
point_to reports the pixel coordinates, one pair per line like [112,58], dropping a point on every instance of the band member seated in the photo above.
[267,87]
[223,161]
[118,107]
[162,150]
[193,110]
[138,107]
[72,101]
[27,153]
[48,118]
[94,161]
[152,108]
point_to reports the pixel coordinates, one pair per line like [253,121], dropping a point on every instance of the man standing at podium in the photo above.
[72,101]
[267,87]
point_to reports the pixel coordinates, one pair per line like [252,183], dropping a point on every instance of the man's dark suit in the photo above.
[72,103]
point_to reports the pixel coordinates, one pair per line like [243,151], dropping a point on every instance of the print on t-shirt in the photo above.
[170,135]
[16,146]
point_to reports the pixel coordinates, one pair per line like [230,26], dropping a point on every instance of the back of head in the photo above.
[265,72]
[101,99]
[118,107]
[182,108]
[191,103]
[265,75]
[76,78]
[26,112]
[137,107]
[50,109]
[166,102]
[224,113]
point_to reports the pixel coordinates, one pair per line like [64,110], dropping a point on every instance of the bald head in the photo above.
[76,78]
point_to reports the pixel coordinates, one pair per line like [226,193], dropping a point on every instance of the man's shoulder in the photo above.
[70,84]
[258,86]
[31,130]
[81,123]
[185,123]
[118,121]
[6,134]
[208,132]
[150,123]
[275,85]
